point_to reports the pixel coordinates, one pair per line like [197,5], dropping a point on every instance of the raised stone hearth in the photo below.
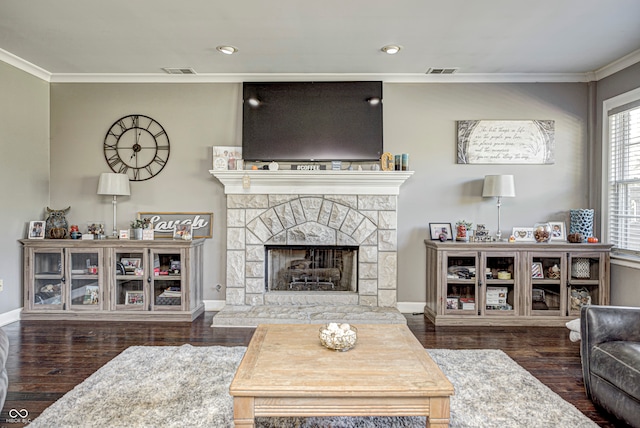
[307,208]
[251,316]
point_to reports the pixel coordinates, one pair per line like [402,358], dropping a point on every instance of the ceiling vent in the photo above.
[451,70]
[179,70]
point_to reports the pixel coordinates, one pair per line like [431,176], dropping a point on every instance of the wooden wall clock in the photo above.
[138,146]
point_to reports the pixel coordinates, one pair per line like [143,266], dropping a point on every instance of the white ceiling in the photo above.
[72,40]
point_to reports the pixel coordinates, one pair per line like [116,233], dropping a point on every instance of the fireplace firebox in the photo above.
[311,268]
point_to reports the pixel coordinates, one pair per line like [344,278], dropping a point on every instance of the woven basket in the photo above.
[581,268]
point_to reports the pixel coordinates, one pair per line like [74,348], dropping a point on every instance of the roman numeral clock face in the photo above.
[138,146]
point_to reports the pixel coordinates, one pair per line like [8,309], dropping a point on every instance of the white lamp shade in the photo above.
[111,183]
[498,185]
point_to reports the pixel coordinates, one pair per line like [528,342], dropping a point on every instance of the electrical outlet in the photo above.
[1,284]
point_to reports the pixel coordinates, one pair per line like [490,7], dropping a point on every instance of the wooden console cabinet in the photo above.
[501,283]
[120,280]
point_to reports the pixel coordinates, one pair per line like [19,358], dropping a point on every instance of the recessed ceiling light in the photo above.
[228,50]
[391,49]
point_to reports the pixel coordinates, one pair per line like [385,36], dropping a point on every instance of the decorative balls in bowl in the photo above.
[339,337]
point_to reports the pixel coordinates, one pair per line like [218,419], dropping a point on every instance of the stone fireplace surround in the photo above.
[311,208]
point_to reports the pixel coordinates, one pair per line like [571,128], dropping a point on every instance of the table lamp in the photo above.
[115,185]
[498,186]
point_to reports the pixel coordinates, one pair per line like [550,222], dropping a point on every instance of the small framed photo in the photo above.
[182,231]
[558,231]
[453,302]
[147,234]
[536,270]
[130,262]
[90,295]
[225,157]
[523,234]
[441,231]
[36,229]
[134,297]
[124,234]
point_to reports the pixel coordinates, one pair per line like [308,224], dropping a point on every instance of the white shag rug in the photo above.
[187,386]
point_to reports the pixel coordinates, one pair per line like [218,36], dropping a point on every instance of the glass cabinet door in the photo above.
[462,283]
[547,294]
[585,279]
[500,294]
[130,278]
[166,282]
[48,279]
[85,274]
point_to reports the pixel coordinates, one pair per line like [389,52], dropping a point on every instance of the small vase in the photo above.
[137,234]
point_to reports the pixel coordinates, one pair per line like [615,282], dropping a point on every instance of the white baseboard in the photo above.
[9,317]
[411,307]
[213,305]
[403,307]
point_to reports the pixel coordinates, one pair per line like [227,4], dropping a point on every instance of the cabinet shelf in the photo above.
[500,282]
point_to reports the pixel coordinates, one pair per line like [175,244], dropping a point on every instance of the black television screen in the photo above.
[312,121]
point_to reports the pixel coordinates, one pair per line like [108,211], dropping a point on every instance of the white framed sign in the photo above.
[506,141]
[165,223]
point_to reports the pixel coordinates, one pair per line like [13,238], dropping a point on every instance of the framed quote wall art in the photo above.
[506,141]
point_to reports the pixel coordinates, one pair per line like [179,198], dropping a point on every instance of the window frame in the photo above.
[608,105]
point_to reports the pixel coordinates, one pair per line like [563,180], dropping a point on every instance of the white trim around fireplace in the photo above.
[312,182]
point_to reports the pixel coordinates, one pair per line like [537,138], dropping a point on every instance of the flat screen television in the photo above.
[312,121]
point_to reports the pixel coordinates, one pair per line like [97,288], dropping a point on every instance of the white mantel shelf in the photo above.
[326,182]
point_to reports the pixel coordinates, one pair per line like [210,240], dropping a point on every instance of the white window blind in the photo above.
[624,177]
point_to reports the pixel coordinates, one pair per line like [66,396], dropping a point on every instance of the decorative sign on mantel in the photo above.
[506,141]
[164,223]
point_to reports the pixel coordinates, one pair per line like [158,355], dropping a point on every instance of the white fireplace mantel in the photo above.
[325,182]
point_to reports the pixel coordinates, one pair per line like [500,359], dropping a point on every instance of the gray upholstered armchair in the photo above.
[4,353]
[610,352]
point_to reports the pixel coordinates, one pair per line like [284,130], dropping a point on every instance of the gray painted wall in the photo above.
[195,116]
[24,171]
[419,120]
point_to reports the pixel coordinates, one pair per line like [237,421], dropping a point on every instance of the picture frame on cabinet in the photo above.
[523,234]
[536,270]
[558,231]
[36,229]
[134,297]
[182,231]
[131,262]
[453,302]
[441,231]
[91,296]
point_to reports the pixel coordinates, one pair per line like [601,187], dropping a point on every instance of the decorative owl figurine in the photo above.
[56,226]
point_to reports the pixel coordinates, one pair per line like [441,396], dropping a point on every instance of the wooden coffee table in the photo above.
[287,372]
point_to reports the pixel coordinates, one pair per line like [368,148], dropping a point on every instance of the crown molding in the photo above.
[47,76]
[620,64]
[25,66]
[293,77]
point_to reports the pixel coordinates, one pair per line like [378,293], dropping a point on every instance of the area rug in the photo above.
[187,386]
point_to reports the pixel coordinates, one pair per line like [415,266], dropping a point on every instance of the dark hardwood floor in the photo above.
[47,359]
